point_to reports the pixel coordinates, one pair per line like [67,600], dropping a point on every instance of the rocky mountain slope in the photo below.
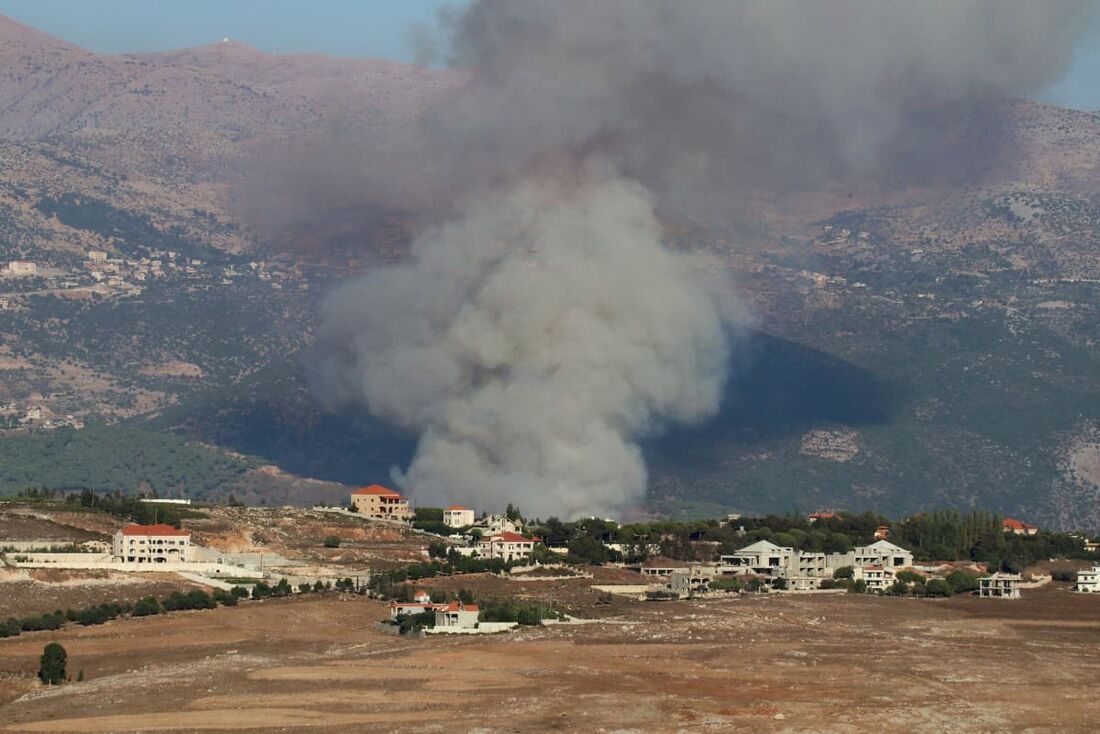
[926,341]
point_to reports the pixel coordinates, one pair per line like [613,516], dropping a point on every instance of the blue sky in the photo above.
[362,28]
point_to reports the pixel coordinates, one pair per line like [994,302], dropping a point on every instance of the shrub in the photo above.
[961,582]
[51,666]
[261,591]
[331,541]
[10,628]
[829,584]
[304,588]
[937,587]
[858,587]
[146,606]
[779,584]
[239,591]
[844,572]
[1063,574]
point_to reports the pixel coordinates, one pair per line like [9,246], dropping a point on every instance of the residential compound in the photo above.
[381,503]
[151,544]
[875,564]
[1000,586]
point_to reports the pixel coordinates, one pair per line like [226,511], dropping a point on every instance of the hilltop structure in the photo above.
[151,544]
[381,503]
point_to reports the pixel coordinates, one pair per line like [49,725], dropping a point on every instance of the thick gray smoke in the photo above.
[542,329]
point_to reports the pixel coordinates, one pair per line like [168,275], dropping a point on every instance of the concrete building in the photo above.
[660,566]
[457,516]
[1088,580]
[506,546]
[762,557]
[381,503]
[877,578]
[493,524]
[695,579]
[880,553]
[22,267]
[1000,586]
[457,615]
[97,257]
[151,544]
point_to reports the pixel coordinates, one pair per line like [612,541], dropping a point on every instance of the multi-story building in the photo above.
[381,503]
[457,516]
[506,546]
[880,553]
[1088,580]
[151,544]
[457,615]
[762,557]
[1000,586]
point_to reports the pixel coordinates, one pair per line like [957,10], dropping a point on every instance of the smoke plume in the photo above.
[540,328]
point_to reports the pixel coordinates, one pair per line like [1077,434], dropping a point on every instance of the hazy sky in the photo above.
[364,28]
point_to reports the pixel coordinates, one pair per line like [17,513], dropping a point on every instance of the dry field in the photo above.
[836,663]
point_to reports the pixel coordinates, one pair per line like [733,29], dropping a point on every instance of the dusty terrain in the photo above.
[837,663]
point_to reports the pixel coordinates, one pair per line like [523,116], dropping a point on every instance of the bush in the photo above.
[261,591]
[829,584]
[844,572]
[146,606]
[51,666]
[10,628]
[937,587]
[961,582]
[1063,574]
[731,584]
[331,541]
[858,587]
[239,591]
[304,588]
[779,584]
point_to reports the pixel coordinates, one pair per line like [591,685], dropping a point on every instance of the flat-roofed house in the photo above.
[381,503]
[151,544]
[1088,580]
[456,615]
[1000,586]
[457,516]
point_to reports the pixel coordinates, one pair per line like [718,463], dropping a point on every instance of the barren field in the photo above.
[37,591]
[832,663]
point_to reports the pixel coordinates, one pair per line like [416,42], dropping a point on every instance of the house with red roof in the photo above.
[457,516]
[381,503]
[815,516]
[151,544]
[506,546]
[1017,527]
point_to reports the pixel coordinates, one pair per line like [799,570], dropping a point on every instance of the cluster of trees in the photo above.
[935,535]
[391,584]
[101,613]
[138,460]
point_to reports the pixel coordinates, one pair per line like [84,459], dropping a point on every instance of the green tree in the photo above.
[51,666]
[844,572]
[146,606]
[331,541]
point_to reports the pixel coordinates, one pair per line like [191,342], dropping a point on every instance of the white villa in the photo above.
[151,544]
[1088,580]
[1000,586]
[457,516]
[880,553]
[762,557]
[507,546]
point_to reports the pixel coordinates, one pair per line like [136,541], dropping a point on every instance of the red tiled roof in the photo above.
[377,489]
[1014,524]
[824,516]
[459,508]
[507,537]
[160,529]
[457,606]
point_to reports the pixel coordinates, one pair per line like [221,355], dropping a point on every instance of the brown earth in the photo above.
[836,663]
[38,591]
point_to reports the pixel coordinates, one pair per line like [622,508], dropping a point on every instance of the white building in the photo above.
[877,578]
[381,503]
[457,615]
[494,524]
[151,544]
[1000,586]
[97,257]
[22,267]
[880,553]
[762,557]
[1088,580]
[506,546]
[457,516]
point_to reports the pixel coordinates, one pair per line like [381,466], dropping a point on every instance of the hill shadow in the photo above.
[781,388]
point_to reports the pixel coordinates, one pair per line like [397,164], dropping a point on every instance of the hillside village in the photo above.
[666,561]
